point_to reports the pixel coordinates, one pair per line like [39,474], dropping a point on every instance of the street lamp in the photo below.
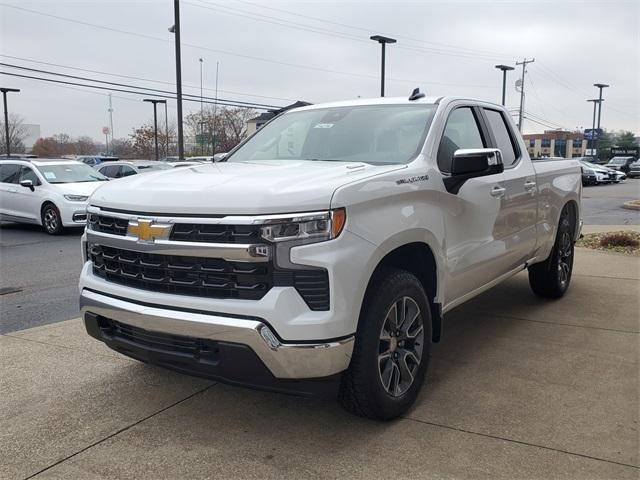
[201,111]
[593,125]
[600,86]
[175,29]
[6,117]
[382,41]
[505,69]
[155,119]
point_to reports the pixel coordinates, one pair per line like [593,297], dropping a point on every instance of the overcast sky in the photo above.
[277,52]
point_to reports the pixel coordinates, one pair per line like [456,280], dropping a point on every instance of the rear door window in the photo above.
[9,172]
[503,136]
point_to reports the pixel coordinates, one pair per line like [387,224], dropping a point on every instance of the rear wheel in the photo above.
[551,278]
[51,219]
[392,348]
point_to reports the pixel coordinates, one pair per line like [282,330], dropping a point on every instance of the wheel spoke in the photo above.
[386,373]
[396,380]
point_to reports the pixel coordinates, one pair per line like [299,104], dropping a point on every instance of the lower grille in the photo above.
[111,225]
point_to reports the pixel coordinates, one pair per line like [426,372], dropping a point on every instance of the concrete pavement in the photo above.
[519,388]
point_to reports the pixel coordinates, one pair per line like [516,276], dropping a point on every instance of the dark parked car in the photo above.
[94,160]
[634,169]
[131,167]
[621,163]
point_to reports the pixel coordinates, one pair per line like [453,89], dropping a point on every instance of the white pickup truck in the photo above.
[323,253]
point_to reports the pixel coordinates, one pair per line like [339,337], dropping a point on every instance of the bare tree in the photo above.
[17,134]
[143,140]
[85,146]
[227,130]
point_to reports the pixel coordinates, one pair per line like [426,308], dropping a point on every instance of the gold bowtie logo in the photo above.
[146,230]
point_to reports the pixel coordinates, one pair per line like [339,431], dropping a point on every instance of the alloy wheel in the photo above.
[564,258]
[51,219]
[400,346]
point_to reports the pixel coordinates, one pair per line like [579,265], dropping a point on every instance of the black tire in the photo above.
[551,278]
[362,390]
[51,219]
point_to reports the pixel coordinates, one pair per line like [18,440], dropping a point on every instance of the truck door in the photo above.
[472,242]
[516,222]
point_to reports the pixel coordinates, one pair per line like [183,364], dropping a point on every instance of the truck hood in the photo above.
[77,188]
[250,188]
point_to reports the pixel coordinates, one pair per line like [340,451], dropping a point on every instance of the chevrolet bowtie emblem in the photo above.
[147,231]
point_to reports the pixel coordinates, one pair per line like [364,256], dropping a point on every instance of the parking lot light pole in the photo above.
[6,117]
[600,86]
[505,69]
[593,128]
[175,29]
[382,41]
[155,119]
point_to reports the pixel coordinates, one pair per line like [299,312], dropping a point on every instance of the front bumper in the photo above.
[282,361]
[74,214]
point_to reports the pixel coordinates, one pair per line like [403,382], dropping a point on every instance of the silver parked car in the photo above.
[131,167]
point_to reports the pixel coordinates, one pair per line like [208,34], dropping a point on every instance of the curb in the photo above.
[632,205]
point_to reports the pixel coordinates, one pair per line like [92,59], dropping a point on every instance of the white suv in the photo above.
[52,193]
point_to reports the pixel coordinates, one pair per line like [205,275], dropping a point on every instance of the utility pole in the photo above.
[592,140]
[166,129]
[155,119]
[201,112]
[111,120]
[521,115]
[505,69]
[6,117]
[215,111]
[382,41]
[600,86]
[175,29]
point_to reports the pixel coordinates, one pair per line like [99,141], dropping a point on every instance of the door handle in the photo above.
[497,192]
[528,186]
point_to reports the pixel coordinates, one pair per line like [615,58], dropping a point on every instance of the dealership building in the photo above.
[556,143]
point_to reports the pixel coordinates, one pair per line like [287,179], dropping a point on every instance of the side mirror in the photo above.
[470,163]
[27,184]
[219,157]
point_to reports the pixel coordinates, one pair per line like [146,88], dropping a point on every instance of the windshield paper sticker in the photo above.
[324,125]
[49,175]
[421,178]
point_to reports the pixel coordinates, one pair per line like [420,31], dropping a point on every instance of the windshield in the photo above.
[377,134]
[591,165]
[618,160]
[70,173]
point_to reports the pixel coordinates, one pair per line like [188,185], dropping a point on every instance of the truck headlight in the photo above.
[76,198]
[305,228]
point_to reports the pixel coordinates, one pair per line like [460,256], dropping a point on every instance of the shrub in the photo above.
[620,239]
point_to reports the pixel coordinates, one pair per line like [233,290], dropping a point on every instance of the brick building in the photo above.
[556,143]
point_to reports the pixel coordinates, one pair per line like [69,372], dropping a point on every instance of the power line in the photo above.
[141,93]
[297,26]
[368,30]
[75,77]
[131,77]
[235,54]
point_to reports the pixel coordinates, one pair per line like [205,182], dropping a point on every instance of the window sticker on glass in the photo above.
[49,175]
[324,125]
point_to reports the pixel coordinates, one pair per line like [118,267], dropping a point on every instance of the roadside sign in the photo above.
[590,152]
[201,138]
[625,152]
[105,130]
[592,133]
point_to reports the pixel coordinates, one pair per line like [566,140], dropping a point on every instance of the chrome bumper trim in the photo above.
[284,360]
[231,252]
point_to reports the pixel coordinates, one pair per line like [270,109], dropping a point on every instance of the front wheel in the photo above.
[51,219]
[551,278]
[392,348]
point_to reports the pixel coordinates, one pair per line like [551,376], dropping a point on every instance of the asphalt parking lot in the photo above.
[518,388]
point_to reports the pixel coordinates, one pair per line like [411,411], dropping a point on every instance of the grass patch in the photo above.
[625,241]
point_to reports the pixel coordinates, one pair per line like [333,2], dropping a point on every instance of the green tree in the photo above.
[626,139]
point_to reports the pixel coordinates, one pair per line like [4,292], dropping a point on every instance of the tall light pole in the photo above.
[201,112]
[600,86]
[155,119]
[111,119]
[593,127]
[521,115]
[505,69]
[6,117]
[215,111]
[175,29]
[382,41]
[166,128]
